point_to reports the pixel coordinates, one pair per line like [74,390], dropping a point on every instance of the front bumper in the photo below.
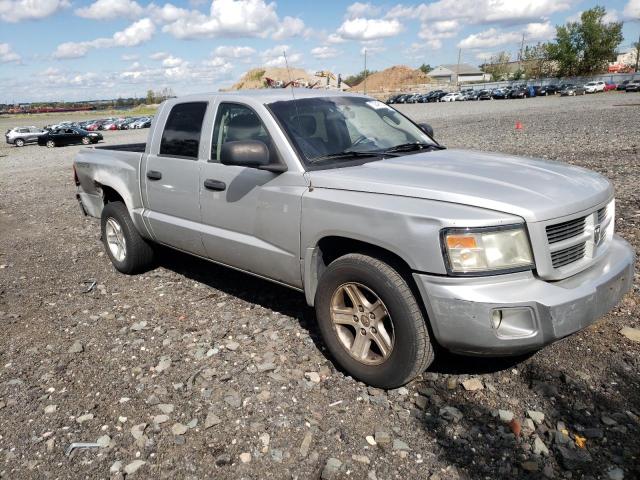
[536,312]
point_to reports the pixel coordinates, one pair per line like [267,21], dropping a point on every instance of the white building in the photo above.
[455,73]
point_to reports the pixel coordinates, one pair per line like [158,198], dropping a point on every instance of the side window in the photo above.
[23,130]
[237,122]
[181,136]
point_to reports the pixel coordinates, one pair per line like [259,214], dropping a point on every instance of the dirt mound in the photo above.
[393,79]
[257,78]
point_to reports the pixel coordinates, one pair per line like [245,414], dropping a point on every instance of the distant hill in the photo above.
[393,79]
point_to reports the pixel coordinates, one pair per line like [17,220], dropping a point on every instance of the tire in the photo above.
[86,140]
[50,144]
[118,229]
[405,328]
[19,142]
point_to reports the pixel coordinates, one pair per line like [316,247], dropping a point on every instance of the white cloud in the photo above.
[233,52]
[158,56]
[539,31]
[324,52]
[274,57]
[632,10]
[111,9]
[434,33]
[491,11]
[230,18]
[289,27]
[71,50]
[167,13]
[7,54]
[135,34]
[14,11]
[493,37]
[360,9]
[369,29]
[172,61]
[128,57]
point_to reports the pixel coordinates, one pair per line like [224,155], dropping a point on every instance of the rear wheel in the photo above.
[371,321]
[19,142]
[50,144]
[128,251]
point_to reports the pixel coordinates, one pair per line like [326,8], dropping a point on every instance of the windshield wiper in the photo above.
[344,154]
[410,147]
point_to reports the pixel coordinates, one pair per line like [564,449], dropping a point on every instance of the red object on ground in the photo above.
[519,126]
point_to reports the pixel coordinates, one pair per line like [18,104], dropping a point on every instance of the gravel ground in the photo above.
[193,371]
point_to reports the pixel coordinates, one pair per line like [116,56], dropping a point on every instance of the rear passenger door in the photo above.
[171,175]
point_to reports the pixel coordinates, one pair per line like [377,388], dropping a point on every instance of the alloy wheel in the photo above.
[362,323]
[115,239]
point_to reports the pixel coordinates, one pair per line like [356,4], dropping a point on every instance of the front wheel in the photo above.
[19,142]
[50,144]
[86,140]
[128,251]
[371,321]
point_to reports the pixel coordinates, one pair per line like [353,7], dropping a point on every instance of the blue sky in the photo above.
[89,49]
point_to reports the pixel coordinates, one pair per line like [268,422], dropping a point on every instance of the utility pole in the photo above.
[458,68]
[637,53]
[365,71]
[521,54]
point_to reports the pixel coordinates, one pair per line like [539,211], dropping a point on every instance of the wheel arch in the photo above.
[327,249]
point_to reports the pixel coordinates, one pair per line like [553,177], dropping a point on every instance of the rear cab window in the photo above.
[181,135]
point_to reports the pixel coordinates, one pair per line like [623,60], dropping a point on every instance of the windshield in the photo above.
[339,128]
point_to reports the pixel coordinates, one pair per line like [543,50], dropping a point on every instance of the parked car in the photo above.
[623,86]
[594,87]
[485,95]
[572,91]
[20,136]
[608,86]
[452,97]
[145,122]
[519,91]
[552,89]
[437,96]
[499,93]
[479,263]
[472,95]
[68,136]
[633,86]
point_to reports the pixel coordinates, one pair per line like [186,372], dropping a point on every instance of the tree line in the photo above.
[580,48]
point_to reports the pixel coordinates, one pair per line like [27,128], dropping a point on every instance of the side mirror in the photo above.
[245,153]
[426,128]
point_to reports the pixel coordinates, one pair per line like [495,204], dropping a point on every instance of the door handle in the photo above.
[216,185]
[154,175]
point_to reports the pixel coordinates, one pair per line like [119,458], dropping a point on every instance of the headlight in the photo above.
[488,250]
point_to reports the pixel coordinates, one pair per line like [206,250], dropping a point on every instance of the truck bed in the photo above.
[125,147]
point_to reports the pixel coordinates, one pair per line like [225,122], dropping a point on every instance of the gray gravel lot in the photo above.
[194,371]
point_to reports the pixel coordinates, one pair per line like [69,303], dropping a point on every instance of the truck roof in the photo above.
[269,95]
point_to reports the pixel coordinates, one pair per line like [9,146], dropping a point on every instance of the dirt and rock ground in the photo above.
[195,371]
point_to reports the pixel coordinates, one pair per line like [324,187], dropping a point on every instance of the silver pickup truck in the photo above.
[399,244]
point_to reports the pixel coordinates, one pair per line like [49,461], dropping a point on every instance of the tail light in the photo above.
[75,176]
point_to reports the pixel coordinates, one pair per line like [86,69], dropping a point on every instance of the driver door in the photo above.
[251,217]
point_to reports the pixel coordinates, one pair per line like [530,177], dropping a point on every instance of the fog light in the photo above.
[514,322]
[496,318]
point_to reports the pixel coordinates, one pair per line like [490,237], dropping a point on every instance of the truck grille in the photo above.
[562,231]
[568,255]
[602,214]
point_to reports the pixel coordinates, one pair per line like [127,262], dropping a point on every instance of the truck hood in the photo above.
[533,189]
